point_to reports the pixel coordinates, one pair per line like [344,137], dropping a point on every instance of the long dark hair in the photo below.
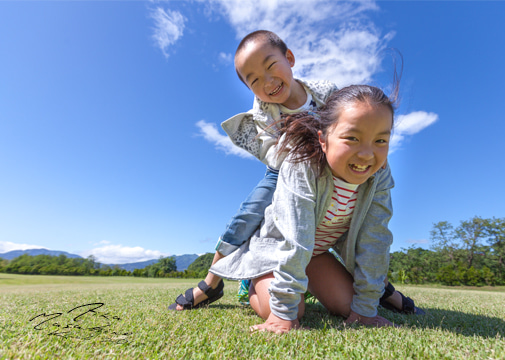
[300,131]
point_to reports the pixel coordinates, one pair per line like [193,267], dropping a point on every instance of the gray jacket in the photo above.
[284,242]
[253,130]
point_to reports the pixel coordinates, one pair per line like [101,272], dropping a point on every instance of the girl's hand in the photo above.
[276,325]
[376,321]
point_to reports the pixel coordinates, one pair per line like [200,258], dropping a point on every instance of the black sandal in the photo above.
[408,306]
[187,300]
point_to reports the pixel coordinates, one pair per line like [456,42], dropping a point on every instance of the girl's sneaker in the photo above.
[243,291]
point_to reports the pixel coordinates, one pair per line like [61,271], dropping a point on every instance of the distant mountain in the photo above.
[135,265]
[34,252]
[182,261]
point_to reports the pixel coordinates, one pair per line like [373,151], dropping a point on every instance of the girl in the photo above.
[330,194]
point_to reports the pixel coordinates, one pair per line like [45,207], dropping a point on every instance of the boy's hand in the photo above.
[376,321]
[276,325]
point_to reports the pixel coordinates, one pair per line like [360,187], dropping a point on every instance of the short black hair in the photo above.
[272,38]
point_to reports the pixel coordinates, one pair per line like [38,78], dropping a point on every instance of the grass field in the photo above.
[47,317]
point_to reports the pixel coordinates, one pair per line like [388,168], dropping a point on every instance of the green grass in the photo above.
[461,324]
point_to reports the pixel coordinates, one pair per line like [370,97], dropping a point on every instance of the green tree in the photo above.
[471,233]
[167,264]
[444,241]
[201,265]
[496,239]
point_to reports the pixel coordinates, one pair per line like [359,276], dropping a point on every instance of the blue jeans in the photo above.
[250,214]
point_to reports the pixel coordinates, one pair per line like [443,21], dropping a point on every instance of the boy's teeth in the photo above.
[276,90]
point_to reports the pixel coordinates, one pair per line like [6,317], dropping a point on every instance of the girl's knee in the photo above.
[259,297]
[301,307]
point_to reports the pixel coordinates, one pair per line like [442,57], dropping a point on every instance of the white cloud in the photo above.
[6,246]
[410,124]
[168,28]
[226,58]
[119,254]
[331,40]
[210,133]
[421,241]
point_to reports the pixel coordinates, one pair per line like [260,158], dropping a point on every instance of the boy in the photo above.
[263,63]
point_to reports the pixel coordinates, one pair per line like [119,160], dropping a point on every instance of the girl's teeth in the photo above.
[359,168]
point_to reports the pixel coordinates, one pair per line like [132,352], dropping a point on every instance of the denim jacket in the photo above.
[254,131]
[284,242]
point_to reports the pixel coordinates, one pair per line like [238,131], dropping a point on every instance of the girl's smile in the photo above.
[357,145]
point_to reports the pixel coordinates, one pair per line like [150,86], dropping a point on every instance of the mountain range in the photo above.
[182,261]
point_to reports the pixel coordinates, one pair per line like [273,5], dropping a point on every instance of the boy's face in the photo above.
[266,71]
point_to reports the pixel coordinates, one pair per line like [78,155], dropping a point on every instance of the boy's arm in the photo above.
[250,132]
[372,249]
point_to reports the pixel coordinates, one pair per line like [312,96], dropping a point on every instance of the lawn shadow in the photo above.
[459,322]
[466,324]
[226,306]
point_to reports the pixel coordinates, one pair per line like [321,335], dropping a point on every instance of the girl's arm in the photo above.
[372,249]
[276,325]
[293,212]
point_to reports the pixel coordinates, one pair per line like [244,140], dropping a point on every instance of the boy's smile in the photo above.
[267,72]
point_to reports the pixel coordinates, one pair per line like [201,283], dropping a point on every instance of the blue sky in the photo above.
[110,141]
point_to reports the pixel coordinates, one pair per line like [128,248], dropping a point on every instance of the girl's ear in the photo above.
[322,141]
[291,57]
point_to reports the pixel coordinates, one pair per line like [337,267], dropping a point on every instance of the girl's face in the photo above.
[357,145]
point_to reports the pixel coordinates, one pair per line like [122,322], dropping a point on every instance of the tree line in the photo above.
[473,253]
[63,265]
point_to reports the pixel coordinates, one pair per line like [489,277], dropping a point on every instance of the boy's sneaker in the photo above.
[243,291]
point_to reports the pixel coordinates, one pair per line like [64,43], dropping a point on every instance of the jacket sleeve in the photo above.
[250,132]
[293,209]
[372,248]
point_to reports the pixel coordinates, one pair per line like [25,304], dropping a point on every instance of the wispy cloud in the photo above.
[6,246]
[168,28]
[331,40]
[410,124]
[119,254]
[210,133]
[226,58]
[420,241]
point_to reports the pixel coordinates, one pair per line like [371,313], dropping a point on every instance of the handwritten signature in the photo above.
[85,323]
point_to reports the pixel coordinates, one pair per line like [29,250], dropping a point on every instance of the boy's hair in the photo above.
[301,139]
[265,35]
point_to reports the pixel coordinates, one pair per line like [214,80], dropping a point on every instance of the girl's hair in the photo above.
[301,139]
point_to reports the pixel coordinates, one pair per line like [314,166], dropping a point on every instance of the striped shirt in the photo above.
[338,216]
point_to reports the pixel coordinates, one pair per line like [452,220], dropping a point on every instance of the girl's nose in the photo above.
[365,152]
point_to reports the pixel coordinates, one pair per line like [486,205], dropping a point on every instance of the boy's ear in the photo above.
[322,140]
[290,57]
